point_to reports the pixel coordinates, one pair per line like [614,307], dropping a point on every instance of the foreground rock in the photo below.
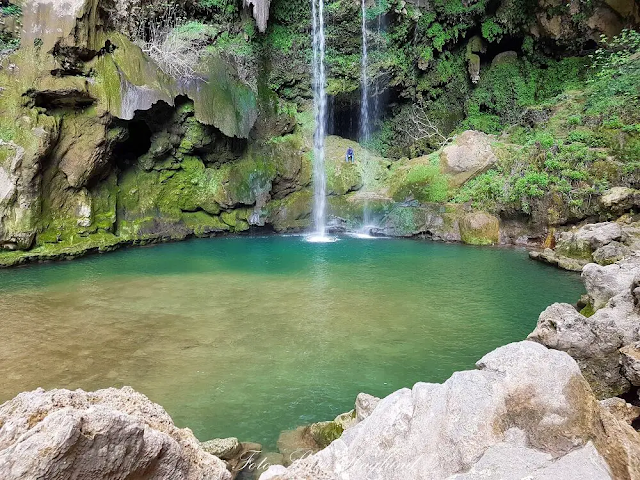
[527,412]
[109,434]
[595,339]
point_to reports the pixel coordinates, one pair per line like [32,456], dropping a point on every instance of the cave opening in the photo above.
[343,114]
[136,143]
[506,44]
[140,131]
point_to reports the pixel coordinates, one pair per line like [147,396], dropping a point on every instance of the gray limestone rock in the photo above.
[523,400]
[109,434]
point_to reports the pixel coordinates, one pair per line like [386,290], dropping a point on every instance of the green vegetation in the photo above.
[11,10]
[10,15]
[615,84]
[421,180]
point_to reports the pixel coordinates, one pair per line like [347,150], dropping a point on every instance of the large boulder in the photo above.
[604,283]
[596,341]
[480,228]
[526,411]
[469,155]
[619,200]
[109,434]
[582,242]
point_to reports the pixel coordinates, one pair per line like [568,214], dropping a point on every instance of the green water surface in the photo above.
[247,337]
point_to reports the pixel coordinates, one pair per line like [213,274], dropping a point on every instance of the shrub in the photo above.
[615,83]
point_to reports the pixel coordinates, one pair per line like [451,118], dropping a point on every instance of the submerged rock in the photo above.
[109,434]
[526,410]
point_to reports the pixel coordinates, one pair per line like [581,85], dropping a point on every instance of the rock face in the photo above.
[52,20]
[109,434]
[526,411]
[20,186]
[596,341]
[469,155]
[619,200]
[260,10]
[480,228]
[604,243]
[604,283]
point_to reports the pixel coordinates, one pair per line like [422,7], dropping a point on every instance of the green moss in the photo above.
[204,224]
[419,179]
[326,432]
[224,101]
[292,213]
[588,310]
[479,229]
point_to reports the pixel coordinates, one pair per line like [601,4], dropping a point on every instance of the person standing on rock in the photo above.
[350,156]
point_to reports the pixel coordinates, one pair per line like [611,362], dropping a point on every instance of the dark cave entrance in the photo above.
[506,44]
[344,115]
[137,143]
[140,131]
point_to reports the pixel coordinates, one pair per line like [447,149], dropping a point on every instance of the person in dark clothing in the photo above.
[350,158]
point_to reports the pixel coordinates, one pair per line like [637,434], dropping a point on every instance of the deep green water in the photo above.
[250,336]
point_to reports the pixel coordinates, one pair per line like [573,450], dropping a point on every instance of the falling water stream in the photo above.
[320,107]
[365,123]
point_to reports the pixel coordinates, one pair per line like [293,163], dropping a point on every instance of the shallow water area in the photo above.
[250,336]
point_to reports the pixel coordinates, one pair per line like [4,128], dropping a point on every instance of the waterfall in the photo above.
[365,121]
[320,108]
[365,128]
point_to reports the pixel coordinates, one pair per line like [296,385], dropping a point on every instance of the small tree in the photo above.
[419,126]
[173,44]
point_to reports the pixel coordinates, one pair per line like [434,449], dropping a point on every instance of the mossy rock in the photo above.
[480,228]
[419,179]
[324,433]
[247,179]
[351,208]
[292,213]
[127,80]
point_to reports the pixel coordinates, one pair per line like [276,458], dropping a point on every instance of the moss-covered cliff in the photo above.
[129,121]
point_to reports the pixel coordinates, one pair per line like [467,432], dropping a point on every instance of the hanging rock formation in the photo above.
[260,10]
